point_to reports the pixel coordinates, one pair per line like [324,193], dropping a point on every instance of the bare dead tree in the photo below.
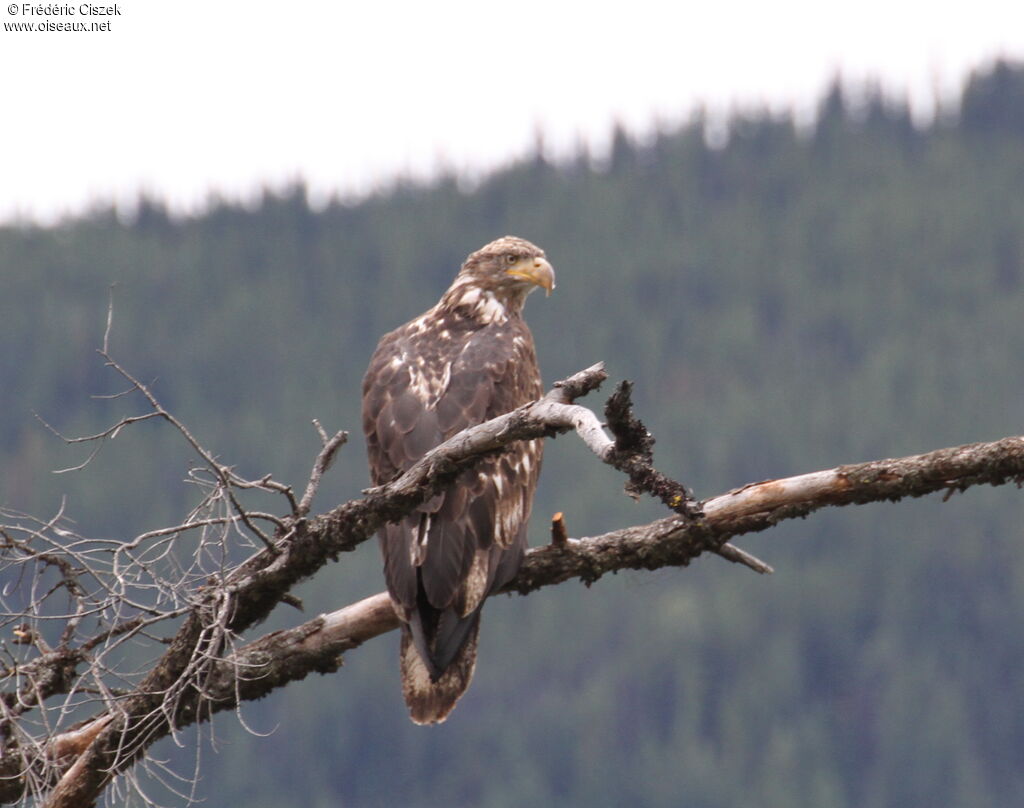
[108,646]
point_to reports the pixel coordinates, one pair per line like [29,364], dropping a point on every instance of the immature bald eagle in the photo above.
[464,361]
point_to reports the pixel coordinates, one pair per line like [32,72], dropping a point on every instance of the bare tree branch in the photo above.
[126,589]
[220,607]
[323,462]
[317,645]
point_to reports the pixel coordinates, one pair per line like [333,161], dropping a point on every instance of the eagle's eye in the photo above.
[511,259]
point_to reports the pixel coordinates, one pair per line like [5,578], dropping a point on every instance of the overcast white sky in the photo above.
[185,97]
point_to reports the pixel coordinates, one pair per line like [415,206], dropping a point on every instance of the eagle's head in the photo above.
[495,280]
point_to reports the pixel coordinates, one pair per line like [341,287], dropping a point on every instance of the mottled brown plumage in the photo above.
[466,360]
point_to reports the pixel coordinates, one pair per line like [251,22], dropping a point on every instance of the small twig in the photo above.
[175,529]
[579,384]
[323,462]
[559,534]
[265,483]
[243,515]
[113,396]
[730,552]
[110,319]
[100,437]
[634,456]
[293,601]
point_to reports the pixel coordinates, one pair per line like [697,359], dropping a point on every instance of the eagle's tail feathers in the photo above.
[430,698]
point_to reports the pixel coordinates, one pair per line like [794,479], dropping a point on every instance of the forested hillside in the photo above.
[785,302]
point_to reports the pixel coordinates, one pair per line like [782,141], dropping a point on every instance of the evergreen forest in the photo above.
[786,300]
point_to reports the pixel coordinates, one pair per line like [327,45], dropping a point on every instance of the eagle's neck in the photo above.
[477,302]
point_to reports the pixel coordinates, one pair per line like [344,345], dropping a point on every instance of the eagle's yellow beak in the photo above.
[535,270]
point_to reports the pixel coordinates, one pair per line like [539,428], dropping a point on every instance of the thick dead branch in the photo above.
[203,670]
[673,541]
[316,646]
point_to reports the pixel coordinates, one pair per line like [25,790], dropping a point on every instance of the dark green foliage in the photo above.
[994,101]
[784,303]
